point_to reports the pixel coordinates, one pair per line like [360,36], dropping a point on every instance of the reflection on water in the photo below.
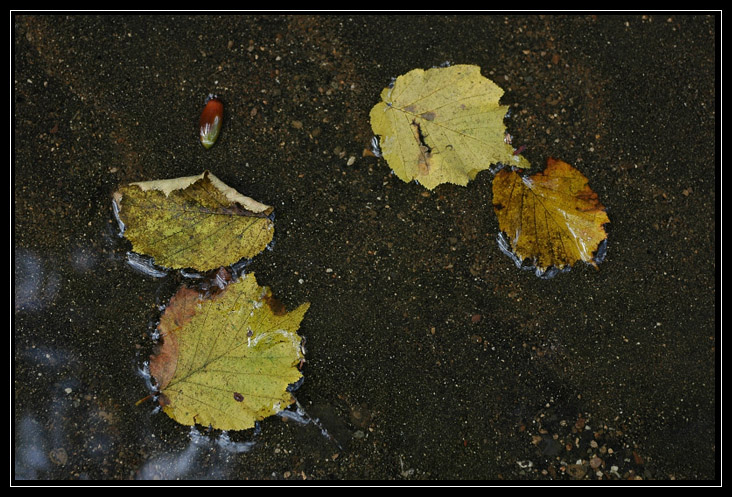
[35,285]
[80,439]
[188,463]
[38,453]
[144,265]
[31,460]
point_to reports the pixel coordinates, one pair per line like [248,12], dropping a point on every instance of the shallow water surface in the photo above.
[430,355]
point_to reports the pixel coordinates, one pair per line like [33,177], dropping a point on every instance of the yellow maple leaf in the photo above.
[443,125]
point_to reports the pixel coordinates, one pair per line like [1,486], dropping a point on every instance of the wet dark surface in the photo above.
[429,354]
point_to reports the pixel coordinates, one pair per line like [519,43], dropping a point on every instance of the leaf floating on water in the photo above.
[193,222]
[552,218]
[226,360]
[443,125]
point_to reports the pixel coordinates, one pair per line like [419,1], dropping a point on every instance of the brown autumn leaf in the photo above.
[551,219]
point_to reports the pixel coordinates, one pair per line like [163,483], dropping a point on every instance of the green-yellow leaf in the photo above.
[226,361]
[443,125]
[193,222]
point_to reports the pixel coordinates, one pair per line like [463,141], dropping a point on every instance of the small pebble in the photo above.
[58,456]
[577,471]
